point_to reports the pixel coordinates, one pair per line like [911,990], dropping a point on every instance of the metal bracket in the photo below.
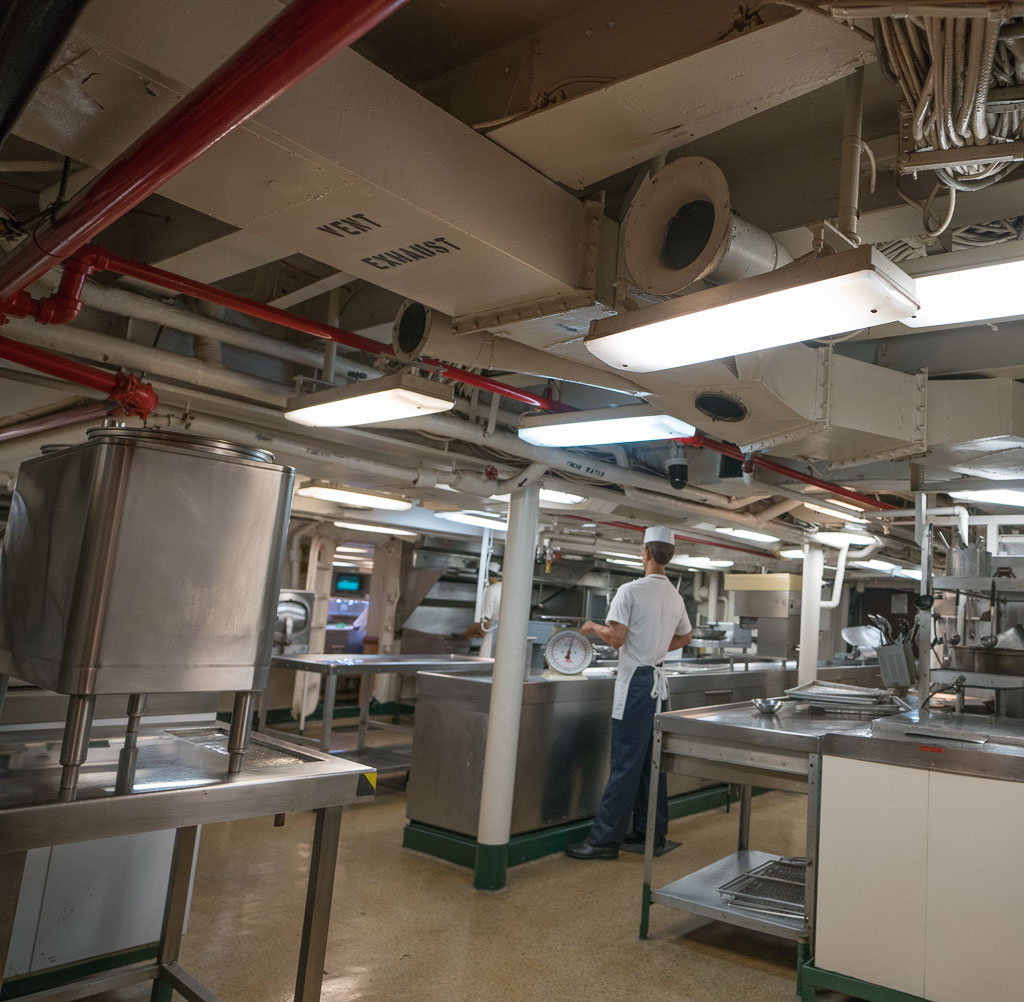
[825,237]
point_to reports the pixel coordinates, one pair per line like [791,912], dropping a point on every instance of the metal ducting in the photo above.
[802,402]
[394,190]
[680,228]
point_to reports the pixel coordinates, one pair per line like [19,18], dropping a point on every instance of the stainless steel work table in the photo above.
[737,744]
[364,667]
[181,782]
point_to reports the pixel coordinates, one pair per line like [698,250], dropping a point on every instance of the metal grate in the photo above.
[775,887]
[215,740]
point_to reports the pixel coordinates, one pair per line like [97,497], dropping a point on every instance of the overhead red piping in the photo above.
[702,441]
[98,259]
[133,396]
[61,419]
[300,39]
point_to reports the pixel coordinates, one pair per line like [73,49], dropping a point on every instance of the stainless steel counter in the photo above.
[179,782]
[363,666]
[564,739]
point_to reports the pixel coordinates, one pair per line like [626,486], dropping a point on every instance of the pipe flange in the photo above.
[678,227]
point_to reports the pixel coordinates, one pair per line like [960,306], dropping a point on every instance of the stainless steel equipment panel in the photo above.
[144,561]
[769,604]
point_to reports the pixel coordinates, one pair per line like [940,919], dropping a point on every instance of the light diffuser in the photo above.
[1005,496]
[390,398]
[478,518]
[602,426]
[811,299]
[366,527]
[756,537]
[968,286]
[357,499]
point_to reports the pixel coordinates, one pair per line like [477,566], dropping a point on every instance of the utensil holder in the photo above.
[898,666]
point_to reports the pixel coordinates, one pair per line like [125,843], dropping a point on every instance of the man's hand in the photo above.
[614,634]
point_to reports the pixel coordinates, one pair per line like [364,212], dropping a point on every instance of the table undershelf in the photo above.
[698,893]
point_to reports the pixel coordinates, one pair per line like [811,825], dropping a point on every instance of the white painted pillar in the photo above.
[495,821]
[482,575]
[810,613]
[713,578]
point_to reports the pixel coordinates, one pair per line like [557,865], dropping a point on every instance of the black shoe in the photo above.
[640,838]
[587,850]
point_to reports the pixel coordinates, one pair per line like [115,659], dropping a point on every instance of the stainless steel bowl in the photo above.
[770,705]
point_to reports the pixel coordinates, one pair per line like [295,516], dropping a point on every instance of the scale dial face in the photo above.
[568,652]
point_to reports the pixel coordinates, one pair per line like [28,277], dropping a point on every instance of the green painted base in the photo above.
[490,867]
[812,978]
[462,849]
[56,977]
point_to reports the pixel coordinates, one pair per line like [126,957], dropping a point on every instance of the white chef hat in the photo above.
[659,534]
[494,569]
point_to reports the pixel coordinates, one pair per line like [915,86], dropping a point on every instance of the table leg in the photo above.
[264,698]
[175,906]
[330,692]
[75,747]
[652,813]
[746,792]
[365,690]
[241,726]
[12,868]
[319,892]
[813,819]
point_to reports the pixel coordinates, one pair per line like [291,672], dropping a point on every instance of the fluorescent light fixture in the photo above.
[603,426]
[968,286]
[842,516]
[813,299]
[366,527]
[547,497]
[478,518]
[356,551]
[793,554]
[701,563]
[875,565]
[355,498]
[909,572]
[757,537]
[843,538]
[1007,497]
[344,563]
[390,398]
[624,562]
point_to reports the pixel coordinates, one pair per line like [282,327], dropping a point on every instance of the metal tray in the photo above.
[775,887]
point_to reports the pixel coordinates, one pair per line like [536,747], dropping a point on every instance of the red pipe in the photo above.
[701,441]
[61,419]
[98,259]
[301,38]
[133,396]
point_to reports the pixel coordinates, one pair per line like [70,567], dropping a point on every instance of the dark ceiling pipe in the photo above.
[31,34]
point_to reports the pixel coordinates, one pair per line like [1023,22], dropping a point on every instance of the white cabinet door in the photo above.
[872,870]
[975,889]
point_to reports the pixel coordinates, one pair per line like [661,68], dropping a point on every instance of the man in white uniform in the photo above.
[646,620]
[490,607]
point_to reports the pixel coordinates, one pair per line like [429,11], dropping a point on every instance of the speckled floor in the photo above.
[409,927]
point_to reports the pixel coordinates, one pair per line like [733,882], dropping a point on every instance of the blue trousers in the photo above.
[629,781]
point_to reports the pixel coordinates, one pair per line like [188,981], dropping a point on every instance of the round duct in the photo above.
[412,329]
[680,228]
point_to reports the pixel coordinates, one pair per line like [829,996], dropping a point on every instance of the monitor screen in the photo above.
[348,583]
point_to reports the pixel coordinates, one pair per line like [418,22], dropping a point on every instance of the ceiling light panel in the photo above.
[478,518]
[756,537]
[1005,496]
[357,499]
[813,299]
[602,426]
[386,530]
[390,398]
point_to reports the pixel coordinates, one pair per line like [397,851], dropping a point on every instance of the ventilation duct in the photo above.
[804,403]
[680,228]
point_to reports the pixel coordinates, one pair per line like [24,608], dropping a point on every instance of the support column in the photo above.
[713,578]
[495,821]
[810,613]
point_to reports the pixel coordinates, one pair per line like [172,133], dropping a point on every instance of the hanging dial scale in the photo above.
[568,652]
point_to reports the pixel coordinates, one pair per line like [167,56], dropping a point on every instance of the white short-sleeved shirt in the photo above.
[653,612]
